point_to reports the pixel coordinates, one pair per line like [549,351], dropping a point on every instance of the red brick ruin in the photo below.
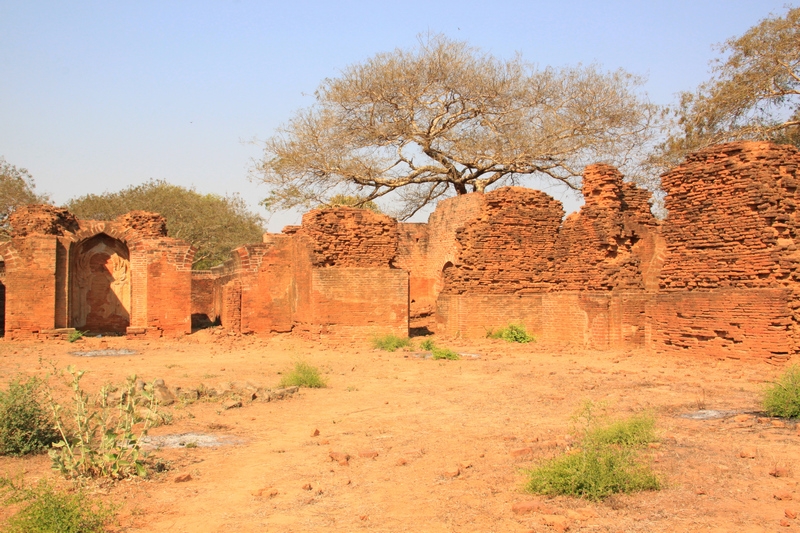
[719,274]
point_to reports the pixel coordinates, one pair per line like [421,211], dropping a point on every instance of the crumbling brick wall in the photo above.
[43,264]
[729,280]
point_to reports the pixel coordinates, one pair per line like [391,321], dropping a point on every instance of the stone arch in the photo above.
[100,285]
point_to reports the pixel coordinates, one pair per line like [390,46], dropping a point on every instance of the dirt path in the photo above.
[434,445]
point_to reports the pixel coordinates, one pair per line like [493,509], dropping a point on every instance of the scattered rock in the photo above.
[778,424]
[742,418]
[784,522]
[266,492]
[162,394]
[779,471]
[231,404]
[307,486]
[341,458]
[531,506]
[368,454]
[556,521]
[749,453]
[315,433]
[451,472]
[183,478]
[522,452]
[782,495]
[402,461]
[790,513]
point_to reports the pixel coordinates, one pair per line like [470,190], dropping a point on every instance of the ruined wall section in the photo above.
[609,243]
[350,237]
[731,266]
[345,280]
[509,247]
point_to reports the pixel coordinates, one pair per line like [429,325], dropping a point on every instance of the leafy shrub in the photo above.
[97,438]
[303,375]
[439,353]
[75,335]
[783,397]
[390,343]
[25,425]
[46,510]
[512,333]
[607,461]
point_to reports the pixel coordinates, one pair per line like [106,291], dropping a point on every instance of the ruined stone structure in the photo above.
[720,275]
[120,277]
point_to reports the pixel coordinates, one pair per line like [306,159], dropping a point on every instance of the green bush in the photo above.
[25,425]
[512,333]
[303,375]
[46,510]
[75,335]
[607,460]
[97,439]
[390,343]
[439,353]
[783,397]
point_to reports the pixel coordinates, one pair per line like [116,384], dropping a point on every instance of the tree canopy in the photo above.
[445,118]
[212,223]
[16,188]
[754,93]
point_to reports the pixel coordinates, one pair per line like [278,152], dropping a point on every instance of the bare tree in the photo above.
[445,118]
[754,93]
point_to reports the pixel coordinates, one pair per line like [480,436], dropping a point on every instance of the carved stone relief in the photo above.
[101,288]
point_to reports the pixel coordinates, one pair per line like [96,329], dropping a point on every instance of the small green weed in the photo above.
[511,333]
[25,425]
[75,335]
[97,438]
[608,460]
[47,510]
[303,375]
[390,343]
[783,397]
[439,353]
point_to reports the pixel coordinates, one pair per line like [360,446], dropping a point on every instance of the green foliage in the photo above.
[303,375]
[97,438]
[46,510]
[512,333]
[439,353]
[390,343]
[25,425]
[75,335]
[783,397]
[16,189]
[212,223]
[607,461]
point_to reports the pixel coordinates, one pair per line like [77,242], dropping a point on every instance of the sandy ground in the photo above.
[433,445]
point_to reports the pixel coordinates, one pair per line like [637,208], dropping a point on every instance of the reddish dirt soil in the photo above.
[434,445]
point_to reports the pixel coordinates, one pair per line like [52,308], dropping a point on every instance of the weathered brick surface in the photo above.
[350,237]
[509,247]
[732,228]
[41,220]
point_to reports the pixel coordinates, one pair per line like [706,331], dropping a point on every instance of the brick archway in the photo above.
[100,285]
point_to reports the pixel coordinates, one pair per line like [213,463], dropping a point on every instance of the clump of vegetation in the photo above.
[439,353]
[75,335]
[511,333]
[46,510]
[303,375]
[608,460]
[390,343]
[783,397]
[25,425]
[98,439]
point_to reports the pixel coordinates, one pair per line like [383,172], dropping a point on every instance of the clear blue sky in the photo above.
[98,96]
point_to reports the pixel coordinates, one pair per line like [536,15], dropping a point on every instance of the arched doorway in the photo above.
[100,285]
